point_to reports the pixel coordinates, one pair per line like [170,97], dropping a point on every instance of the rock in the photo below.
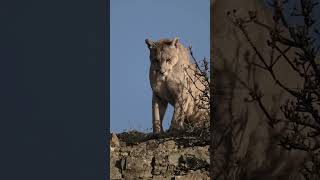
[174,158]
[192,175]
[151,145]
[162,157]
[170,144]
[139,167]
[115,171]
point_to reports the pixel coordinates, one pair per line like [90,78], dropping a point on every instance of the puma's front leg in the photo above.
[177,122]
[158,110]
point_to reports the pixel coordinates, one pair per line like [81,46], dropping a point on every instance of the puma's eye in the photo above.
[168,60]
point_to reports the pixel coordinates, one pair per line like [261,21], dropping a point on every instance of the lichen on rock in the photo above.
[167,156]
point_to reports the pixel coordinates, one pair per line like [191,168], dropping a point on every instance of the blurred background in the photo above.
[131,22]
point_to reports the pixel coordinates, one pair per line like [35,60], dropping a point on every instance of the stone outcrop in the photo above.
[135,155]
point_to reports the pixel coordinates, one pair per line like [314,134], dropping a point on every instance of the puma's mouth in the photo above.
[162,76]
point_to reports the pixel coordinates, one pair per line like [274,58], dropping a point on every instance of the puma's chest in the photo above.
[167,89]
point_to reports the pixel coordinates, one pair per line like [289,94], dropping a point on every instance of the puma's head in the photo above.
[164,54]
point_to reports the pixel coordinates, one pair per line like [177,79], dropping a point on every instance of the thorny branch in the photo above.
[301,111]
[198,77]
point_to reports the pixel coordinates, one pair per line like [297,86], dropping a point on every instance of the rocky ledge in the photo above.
[136,155]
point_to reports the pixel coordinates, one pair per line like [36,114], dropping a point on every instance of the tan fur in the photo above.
[170,73]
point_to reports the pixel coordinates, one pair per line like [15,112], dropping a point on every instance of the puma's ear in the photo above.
[175,42]
[149,43]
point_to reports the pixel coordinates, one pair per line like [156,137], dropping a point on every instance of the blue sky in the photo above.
[132,21]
